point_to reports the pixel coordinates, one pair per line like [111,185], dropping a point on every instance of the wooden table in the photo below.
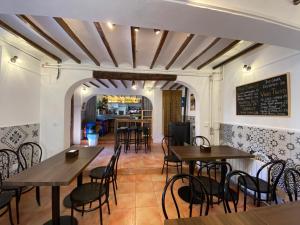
[56,171]
[270,215]
[191,154]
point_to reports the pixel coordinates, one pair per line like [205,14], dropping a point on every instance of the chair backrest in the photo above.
[108,170]
[198,191]
[292,183]
[275,171]
[211,167]
[117,154]
[30,154]
[165,144]
[200,140]
[9,163]
[232,189]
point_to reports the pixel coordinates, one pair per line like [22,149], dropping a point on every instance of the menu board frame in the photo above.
[264,80]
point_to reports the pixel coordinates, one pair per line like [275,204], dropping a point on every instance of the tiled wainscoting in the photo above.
[13,137]
[265,143]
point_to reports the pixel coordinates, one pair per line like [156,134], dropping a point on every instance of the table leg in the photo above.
[56,218]
[67,200]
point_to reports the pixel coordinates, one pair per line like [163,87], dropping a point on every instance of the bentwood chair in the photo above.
[169,159]
[201,140]
[274,173]
[98,172]
[213,184]
[200,194]
[233,187]
[5,199]
[88,193]
[8,160]
[30,154]
[292,183]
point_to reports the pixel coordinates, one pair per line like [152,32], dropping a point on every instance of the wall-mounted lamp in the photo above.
[157,31]
[14,59]
[111,25]
[246,68]
[136,29]
[133,86]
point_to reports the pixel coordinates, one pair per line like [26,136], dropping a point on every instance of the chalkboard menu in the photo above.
[268,97]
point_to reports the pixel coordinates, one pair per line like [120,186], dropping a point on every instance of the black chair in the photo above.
[202,195]
[292,183]
[169,159]
[201,140]
[213,184]
[5,199]
[91,192]
[275,170]
[30,154]
[98,172]
[233,187]
[143,138]
[9,159]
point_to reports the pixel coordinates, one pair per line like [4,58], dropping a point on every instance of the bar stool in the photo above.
[143,136]
[133,137]
[122,137]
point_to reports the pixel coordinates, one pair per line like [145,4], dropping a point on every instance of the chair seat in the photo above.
[87,193]
[97,173]
[5,198]
[211,185]
[171,158]
[263,185]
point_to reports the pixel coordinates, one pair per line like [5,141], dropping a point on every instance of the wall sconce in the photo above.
[14,59]
[246,68]
[133,86]
[157,31]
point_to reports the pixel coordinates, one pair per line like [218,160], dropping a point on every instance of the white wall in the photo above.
[19,88]
[266,62]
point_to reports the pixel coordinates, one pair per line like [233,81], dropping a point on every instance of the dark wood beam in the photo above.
[180,50]
[155,83]
[165,84]
[173,86]
[220,53]
[86,85]
[160,45]
[132,76]
[113,83]
[296,2]
[76,39]
[96,85]
[30,42]
[239,54]
[105,42]
[144,83]
[133,46]
[101,82]
[179,87]
[37,29]
[124,84]
[202,53]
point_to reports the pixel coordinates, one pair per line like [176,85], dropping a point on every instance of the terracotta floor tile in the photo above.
[145,199]
[141,187]
[148,216]
[122,217]
[126,188]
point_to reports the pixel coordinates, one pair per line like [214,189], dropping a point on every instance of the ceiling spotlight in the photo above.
[246,68]
[111,25]
[133,86]
[14,59]
[136,29]
[157,31]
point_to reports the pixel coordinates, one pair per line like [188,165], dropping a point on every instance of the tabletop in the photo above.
[269,215]
[57,170]
[189,153]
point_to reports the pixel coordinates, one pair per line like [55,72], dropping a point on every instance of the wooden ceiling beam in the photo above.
[30,42]
[86,85]
[133,46]
[202,53]
[96,85]
[38,30]
[101,82]
[105,42]
[124,84]
[160,45]
[296,2]
[180,50]
[239,54]
[132,76]
[76,39]
[113,83]
[155,83]
[173,86]
[165,84]
[144,83]
[179,87]
[220,53]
